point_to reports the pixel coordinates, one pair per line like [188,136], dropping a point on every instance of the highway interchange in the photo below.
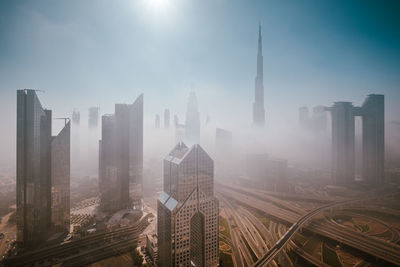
[248,233]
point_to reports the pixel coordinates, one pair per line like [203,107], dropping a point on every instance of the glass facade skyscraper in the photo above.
[187,210]
[121,157]
[42,170]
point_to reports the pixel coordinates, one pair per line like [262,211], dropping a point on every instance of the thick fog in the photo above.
[282,137]
[106,54]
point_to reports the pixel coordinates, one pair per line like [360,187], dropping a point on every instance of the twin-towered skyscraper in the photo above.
[372,113]
[43,172]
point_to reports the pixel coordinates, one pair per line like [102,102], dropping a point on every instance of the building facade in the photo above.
[343,136]
[60,180]
[187,210]
[373,134]
[42,162]
[343,140]
[121,157]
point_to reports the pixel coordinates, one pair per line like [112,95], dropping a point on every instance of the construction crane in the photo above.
[65,120]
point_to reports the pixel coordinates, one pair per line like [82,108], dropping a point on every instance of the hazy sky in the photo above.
[86,53]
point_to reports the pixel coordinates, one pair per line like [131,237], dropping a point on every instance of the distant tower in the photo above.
[187,210]
[166,118]
[75,144]
[192,124]
[93,117]
[179,130]
[258,105]
[157,121]
[320,119]
[76,117]
[304,117]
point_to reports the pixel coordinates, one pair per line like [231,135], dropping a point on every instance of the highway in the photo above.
[263,261]
[395,234]
[248,229]
[245,258]
[373,246]
[86,249]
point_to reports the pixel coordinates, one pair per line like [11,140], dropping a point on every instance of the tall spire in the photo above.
[259,40]
[258,105]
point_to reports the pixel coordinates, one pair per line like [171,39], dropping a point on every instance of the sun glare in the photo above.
[158,5]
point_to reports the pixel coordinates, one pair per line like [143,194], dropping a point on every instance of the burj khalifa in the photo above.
[258,105]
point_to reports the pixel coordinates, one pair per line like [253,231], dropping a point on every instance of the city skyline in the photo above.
[199,133]
[354,56]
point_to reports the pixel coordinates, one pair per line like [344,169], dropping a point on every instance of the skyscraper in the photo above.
[76,117]
[121,157]
[319,119]
[343,139]
[157,121]
[60,179]
[91,164]
[166,118]
[258,105]
[192,125]
[343,153]
[373,127]
[76,142]
[187,210]
[93,117]
[136,151]
[42,172]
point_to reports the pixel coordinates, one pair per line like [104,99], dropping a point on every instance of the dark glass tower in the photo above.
[258,105]
[373,121]
[60,179]
[121,157]
[33,169]
[42,172]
